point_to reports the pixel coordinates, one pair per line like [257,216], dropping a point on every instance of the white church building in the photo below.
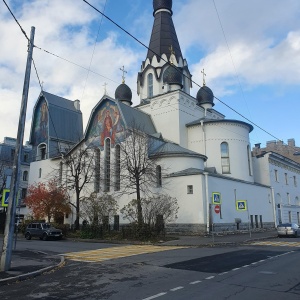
[211,170]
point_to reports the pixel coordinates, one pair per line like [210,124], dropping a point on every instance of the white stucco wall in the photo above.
[207,139]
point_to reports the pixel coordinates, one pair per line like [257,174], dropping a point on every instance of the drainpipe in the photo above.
[273,206]
[204,140]
[206,202]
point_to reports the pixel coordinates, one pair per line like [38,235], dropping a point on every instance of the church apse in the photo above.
[106,123]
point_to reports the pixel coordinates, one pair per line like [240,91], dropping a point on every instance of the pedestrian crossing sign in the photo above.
[216,198]
[241,205]
[5,196]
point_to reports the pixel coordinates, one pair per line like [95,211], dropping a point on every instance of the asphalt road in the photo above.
[252,272]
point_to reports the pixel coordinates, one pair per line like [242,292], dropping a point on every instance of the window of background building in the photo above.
[286,178]
[249,160]
[276,175]
[225,158]
[40,172]
[288,198]
[295,181]
[290,216]
[190,189]
[25,175]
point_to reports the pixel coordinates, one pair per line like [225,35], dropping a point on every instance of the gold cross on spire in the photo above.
[203,77]
[172,52]
[123,76]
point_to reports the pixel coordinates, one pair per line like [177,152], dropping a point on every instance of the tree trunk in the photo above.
[139,207]
[77,211]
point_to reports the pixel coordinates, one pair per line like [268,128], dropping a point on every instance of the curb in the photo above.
[32,274]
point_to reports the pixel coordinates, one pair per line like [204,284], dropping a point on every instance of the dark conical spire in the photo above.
[163,33]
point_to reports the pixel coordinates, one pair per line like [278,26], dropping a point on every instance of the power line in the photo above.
[136,39]
[17,21]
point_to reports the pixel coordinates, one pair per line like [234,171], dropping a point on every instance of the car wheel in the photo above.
[45,237]
[296,234]
[27,236]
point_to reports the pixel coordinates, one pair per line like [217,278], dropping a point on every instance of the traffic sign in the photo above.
[216,198]
[217,209]
[241,205]
[5,196]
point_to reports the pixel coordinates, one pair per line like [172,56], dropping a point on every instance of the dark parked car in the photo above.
[288,229]
[44,231]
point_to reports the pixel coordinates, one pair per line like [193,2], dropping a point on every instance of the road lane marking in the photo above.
[155,296]
[195,282]
[177,288]
[276,243]
[210,277]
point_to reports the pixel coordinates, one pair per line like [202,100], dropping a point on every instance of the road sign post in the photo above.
[242,205]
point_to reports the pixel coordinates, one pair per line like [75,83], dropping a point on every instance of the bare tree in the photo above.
[140,172]
[76,172]
[98,206]
[163,205]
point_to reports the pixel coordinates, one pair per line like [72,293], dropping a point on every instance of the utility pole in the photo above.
[14,186]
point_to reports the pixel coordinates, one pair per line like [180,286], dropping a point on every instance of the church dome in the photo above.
[172,75]
[162,4]
[123,93]
[205,95]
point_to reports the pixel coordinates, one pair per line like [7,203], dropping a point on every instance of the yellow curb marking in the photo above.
[116,252]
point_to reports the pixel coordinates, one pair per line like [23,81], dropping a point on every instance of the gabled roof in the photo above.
[130,115]
[171,149]
[65,121]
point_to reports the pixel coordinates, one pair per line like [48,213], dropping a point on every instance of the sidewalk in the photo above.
[28,264]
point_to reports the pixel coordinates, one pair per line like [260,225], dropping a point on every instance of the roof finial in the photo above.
[123,76]
[172,53]
[203,77]
[105,90]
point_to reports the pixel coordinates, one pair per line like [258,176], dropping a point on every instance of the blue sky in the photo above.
[250,51]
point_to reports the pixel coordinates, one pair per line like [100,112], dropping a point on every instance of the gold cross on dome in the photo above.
[203,77]
[123,76]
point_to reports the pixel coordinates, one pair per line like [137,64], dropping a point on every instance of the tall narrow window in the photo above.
[225,158]
[60,171]
[107,166]
[12,154]
[97,171]
[276,175]
[150,85]
[298,217]
[40,172]
[290,217]
[295,181]
[286,178]
[288,198]
[117,167]
[25,175]
[158,176]
[249,160]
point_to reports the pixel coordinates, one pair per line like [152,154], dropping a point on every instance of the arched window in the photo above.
[42,152]
[249,160]
[107,166]
[97,171]
[225,158]
[25,175]
[117,167]
[150,85]
[158,176]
